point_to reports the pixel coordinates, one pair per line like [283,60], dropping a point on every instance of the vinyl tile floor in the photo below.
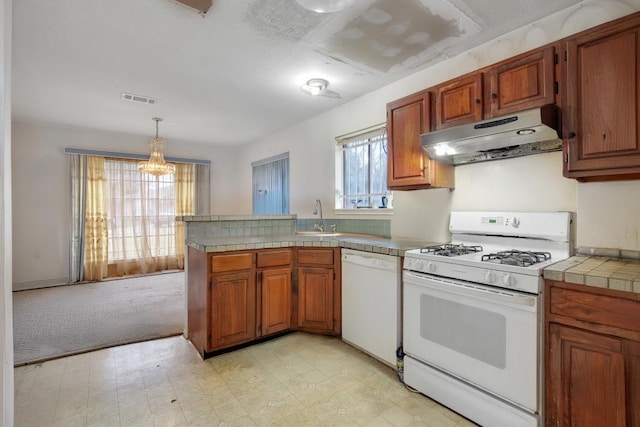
[294,380]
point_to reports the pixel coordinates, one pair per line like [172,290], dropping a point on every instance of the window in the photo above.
[141,211]
[123,221]
[271,185]
[361,170]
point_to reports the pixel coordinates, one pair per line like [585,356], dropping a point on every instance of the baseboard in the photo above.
[37,284]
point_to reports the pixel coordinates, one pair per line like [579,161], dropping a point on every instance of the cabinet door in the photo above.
[522,83]
[233,309]
[585,379]
[632,365]
[315,299]
[408,165]
[275,285]
[601,117]
[459,101]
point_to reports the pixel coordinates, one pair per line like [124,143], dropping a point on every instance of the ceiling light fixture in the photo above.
[314,86]
[325,6]
[156,164]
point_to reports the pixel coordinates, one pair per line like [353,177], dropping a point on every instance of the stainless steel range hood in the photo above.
[519,134]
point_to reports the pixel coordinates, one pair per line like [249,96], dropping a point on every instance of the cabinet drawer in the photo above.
[604,310]
[273,258]
[315,256]
[220,263]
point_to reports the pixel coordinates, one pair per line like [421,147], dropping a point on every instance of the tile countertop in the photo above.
[361,242]
[601,272]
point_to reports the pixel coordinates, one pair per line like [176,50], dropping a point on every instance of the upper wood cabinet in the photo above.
[409,166]
[459,101]
[521,83]
[601,114]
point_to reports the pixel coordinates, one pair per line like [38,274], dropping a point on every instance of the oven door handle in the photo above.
[465,289]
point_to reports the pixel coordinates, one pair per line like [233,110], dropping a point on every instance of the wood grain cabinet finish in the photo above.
[459,101]
[274,288]
[409,166]
[592,357]
[238,297]
[315,299]
[318,291]
[520,83]
[233,309]
[601,115]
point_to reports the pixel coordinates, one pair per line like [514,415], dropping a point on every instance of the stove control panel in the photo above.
[540,225]
[512,221]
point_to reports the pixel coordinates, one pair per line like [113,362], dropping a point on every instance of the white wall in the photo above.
[41,191]
[530,183]
[6,313]
[609,215]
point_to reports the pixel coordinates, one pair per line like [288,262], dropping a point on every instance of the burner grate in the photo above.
[516,257]
[450,249]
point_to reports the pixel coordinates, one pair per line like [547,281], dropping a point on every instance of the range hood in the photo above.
[518,134]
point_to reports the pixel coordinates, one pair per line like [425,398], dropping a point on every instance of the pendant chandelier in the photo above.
[156,164]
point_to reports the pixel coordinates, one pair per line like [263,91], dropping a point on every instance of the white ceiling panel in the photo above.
[233,75]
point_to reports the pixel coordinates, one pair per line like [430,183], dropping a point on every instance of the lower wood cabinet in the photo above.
[318,290]
[315,299]
[233,309]
[274,287]
[592,357]
[237,297]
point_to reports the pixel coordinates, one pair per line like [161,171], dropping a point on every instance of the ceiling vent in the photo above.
[137,98]
[200,6]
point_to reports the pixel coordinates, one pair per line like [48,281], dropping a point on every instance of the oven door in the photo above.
[482,335]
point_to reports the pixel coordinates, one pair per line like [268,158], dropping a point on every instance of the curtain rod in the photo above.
[116,154]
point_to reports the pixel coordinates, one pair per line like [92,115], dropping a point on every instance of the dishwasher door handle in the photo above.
[370,261]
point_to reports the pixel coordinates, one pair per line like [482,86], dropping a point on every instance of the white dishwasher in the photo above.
[371,303]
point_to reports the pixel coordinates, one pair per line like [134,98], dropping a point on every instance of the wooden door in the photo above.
[407,119]
[632,367]
[585,379]
[315,299]
[601,115]
[521,83]
[408,165]
[275,285]
[233,309]
[459,101]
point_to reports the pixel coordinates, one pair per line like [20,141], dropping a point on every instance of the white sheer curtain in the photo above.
[122,221]
[141,212]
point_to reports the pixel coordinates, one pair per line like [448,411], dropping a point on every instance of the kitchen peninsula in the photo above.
[254,277]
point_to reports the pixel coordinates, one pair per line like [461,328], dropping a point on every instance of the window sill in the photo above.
[365,211]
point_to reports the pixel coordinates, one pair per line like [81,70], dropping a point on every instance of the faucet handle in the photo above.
[334,227]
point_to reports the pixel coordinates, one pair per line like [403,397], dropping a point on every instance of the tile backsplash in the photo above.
[266,225]
[378,227]
[238,226]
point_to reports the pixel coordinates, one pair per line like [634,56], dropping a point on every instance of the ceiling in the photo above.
[232,75]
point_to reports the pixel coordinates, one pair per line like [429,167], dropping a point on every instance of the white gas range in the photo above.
[472,314]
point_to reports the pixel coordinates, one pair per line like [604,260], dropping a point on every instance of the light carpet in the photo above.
[64,320]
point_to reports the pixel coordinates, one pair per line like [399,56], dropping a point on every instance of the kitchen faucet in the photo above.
[316,209]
